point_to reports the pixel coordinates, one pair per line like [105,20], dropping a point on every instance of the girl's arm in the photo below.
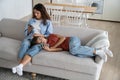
[52,49]
[61,40]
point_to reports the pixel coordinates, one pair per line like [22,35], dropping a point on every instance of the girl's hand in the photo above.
[52,47]
[46,48]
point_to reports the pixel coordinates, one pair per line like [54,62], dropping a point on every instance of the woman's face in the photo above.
[37,14]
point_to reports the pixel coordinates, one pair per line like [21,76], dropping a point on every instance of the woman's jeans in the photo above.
[76,49]
[26,49]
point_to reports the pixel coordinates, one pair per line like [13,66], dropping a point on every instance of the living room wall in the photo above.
[15,9]
[110,8]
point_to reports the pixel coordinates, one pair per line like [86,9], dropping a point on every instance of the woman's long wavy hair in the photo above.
[44,15]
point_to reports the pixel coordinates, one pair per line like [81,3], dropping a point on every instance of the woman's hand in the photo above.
[29,29]
[41,35]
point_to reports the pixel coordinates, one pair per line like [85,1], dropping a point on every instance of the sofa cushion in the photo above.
[9,48]
[65,61]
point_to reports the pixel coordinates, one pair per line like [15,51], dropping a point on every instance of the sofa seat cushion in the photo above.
[9,48]
[65,61]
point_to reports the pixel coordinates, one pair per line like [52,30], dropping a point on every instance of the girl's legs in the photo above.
[101,53]
[76,49]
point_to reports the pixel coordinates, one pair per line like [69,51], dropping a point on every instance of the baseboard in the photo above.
[104,20]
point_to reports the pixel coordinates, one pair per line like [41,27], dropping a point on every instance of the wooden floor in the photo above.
[111,69]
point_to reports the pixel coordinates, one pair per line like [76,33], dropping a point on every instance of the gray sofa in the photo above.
[57,64]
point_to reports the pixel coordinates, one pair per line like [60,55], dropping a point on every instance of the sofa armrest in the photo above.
[0,34]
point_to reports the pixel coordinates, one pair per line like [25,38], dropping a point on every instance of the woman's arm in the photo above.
[61,40]
[49,28]
[41,35]
[29,28]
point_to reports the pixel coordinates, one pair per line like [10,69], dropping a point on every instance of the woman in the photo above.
[39,24]
[72,44]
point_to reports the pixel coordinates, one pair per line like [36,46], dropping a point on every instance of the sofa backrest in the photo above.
[85,34]
[15,29]
[12,28]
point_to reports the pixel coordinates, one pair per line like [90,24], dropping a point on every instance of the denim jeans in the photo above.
[76,49]
[26,49]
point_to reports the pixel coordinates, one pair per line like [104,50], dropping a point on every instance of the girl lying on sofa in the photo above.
[55,42]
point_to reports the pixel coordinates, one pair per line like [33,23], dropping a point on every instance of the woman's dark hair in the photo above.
[34,40]
[44,15]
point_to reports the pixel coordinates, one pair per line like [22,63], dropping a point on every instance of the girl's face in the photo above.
[41,40]
[37,14]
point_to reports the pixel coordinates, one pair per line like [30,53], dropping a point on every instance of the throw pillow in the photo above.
[103,35]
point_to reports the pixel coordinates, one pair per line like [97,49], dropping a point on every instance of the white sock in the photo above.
[19,69]
[14,70]
[102,54]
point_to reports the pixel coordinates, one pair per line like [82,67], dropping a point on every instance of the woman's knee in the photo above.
[25,42]
[34,50]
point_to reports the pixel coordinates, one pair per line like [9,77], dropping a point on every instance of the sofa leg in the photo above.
[33,76]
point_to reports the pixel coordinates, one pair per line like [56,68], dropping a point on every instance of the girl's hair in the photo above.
[34,41]
[44,15]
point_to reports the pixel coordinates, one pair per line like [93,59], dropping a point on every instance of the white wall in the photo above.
[111,11]
[40,1]
[111,8]
[15,9]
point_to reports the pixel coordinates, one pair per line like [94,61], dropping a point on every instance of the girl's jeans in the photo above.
[76,49]
[26,49]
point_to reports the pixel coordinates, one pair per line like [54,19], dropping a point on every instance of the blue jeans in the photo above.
[26,49]
[76,49]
